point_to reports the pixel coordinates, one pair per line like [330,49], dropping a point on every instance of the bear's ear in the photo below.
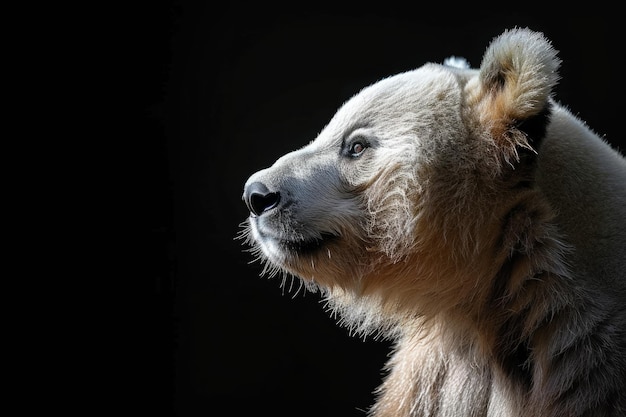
[516,78]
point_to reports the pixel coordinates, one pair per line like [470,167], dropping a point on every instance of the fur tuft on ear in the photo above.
[516,78]
[520,66]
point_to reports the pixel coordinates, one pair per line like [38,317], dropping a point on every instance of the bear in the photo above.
[472,220]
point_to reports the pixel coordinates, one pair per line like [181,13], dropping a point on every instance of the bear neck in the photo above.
[481,275]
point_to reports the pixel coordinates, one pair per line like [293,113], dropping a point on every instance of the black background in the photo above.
[220,91]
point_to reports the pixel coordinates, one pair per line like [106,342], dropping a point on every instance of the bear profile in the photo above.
[467,216]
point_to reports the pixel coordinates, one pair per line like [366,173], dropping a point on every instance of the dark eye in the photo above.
[356,148]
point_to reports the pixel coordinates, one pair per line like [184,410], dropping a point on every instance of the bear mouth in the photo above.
[308,246]
[279,244]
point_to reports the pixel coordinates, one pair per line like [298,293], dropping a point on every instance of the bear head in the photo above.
[396,201]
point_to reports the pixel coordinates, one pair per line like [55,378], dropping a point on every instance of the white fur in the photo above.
[471,218]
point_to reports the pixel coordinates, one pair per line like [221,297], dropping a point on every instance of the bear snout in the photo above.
[259,199]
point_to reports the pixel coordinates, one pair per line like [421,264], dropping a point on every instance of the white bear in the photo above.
[473,220]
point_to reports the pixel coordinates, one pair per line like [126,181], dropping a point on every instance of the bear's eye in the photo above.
[356,148]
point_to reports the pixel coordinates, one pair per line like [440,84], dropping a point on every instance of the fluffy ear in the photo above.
[516,78]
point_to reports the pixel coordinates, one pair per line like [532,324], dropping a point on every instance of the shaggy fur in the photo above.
[469,217]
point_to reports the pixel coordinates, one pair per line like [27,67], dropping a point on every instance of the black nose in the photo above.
[259,199]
